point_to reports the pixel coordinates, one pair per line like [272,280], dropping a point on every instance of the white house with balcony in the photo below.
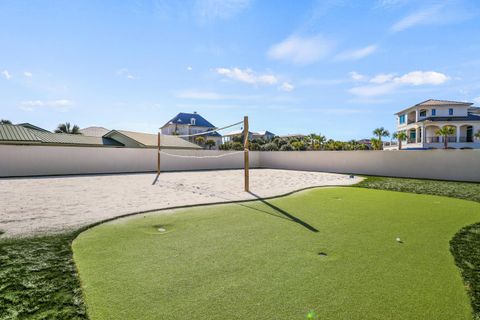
[421,122]
[192,123]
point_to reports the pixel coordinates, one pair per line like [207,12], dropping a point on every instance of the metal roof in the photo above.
[14,133]
[75,139]
[19,134]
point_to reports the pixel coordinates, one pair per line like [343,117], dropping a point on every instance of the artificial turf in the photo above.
[261,260]
[38,279]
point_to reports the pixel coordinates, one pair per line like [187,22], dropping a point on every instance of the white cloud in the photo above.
[288,87]
[371,91]
[357,54]
[6,74]
[301,50]
[58,105]
[382,78]
[440,14]
[219,9]
[124,72]
[28,74]
[418,78]
[357,76]
[387,83]
[189,68]
[247,76]
[476,100]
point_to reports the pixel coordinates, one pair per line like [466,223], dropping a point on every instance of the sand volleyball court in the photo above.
[54,204]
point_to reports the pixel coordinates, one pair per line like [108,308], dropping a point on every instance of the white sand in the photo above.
[53,204]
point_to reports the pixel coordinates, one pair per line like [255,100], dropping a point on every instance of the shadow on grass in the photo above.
[283,214]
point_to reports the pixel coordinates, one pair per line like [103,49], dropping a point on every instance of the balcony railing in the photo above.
[433,139]
[452,139]
[466,139]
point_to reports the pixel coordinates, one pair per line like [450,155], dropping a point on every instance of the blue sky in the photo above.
[341,68]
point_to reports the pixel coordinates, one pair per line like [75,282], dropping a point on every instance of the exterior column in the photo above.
[417,134]
[458,133]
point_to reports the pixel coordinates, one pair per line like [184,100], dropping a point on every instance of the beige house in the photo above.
[421,121]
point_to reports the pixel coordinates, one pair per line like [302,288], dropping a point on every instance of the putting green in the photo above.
[260,260]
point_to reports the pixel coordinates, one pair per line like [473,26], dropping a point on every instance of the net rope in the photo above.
[201,157]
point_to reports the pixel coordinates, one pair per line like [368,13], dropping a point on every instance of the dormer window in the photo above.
[192,121]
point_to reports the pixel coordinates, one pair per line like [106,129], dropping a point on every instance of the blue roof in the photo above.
[185,118]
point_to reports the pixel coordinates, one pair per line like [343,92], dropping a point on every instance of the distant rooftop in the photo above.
[436,102]
[94,131]
[186,118]
[18,134]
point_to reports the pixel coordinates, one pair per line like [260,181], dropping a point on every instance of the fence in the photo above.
[462,165]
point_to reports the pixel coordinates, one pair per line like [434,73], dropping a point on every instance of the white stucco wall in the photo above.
[461,165]
[50,160]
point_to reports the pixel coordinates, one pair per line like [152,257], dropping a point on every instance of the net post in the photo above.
[158,154]
[245,154]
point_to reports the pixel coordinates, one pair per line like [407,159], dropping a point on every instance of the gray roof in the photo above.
[75,139]
[12,133]
[94,131]
[17,134]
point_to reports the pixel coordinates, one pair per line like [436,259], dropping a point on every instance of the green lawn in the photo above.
[260,260]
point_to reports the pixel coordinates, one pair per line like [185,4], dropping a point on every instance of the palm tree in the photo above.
[381,132]
[445,132]
[4,121]
[477,135]
[210,143]
[400,136]
[65,128]
[376,144]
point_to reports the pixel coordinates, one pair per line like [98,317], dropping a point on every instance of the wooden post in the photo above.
[245,153]
[158,155]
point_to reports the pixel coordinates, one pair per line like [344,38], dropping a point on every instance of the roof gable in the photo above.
[185,118]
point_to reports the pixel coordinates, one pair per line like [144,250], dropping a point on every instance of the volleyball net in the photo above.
[244,132]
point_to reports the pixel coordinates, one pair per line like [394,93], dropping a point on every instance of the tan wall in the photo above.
[462,165]
[49,160]
[52,160]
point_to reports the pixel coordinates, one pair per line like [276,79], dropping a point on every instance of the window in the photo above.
[450,112]
[192,121]
[434,112]
[423,113]
[401,119]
